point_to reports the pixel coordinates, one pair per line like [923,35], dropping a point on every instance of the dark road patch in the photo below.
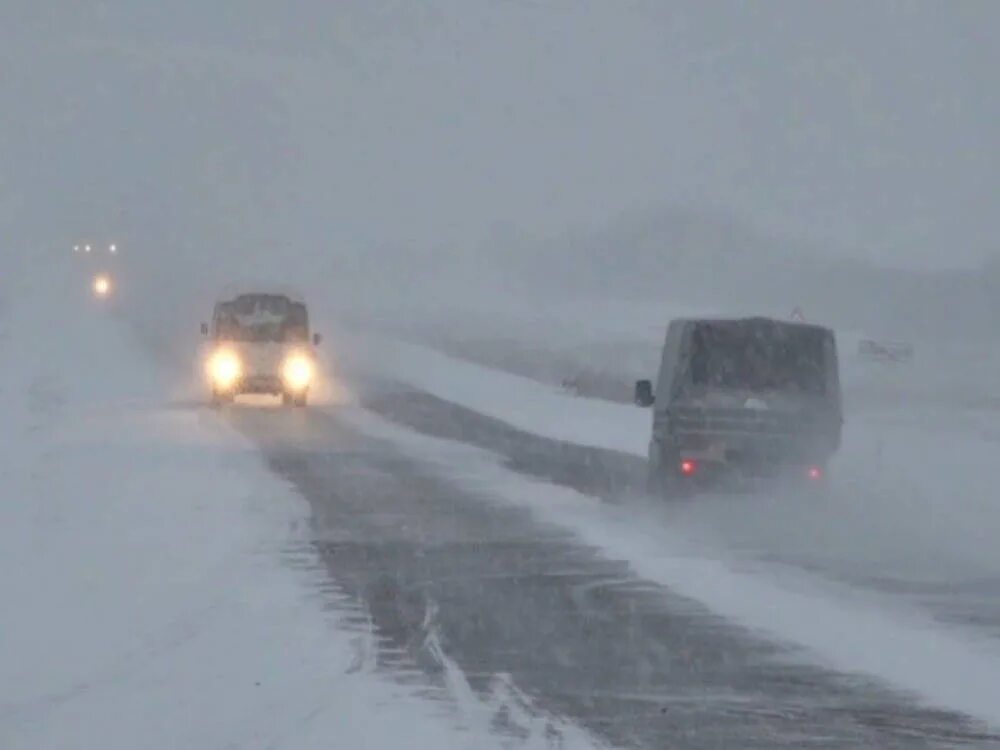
[595,471]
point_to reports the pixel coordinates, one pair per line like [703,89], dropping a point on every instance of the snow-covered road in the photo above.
[158,586]
[546,602]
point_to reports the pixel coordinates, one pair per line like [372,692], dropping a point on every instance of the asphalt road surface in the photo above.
[451,580]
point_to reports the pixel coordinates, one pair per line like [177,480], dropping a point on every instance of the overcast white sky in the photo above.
[868,127]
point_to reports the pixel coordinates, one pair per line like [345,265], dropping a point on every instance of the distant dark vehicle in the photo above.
[751,397]
[261,344]
[885,351]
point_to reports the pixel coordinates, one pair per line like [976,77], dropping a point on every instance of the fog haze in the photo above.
[422,507]
[381,136]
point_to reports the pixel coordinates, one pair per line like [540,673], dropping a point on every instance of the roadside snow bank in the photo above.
[158,587]
[519,401]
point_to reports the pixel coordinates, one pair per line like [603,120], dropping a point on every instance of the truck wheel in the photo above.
[664,480]
[659,480]
[294,399]
[654,482]
[220,399]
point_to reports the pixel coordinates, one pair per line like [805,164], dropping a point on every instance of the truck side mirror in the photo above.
[644,393]
[317,339]
[204,329]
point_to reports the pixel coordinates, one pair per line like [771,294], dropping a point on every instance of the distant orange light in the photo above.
[689,467]
[102,285]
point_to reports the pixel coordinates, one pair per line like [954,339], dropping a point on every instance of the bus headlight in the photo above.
[297,372]
[224,369]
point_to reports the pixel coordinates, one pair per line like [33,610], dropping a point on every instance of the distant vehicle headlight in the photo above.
[102,285]
[224,368]
[297,371]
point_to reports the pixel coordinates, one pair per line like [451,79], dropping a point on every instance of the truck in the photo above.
[742,398]
[260,344]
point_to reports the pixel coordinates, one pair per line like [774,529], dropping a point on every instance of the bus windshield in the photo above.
[262,318]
